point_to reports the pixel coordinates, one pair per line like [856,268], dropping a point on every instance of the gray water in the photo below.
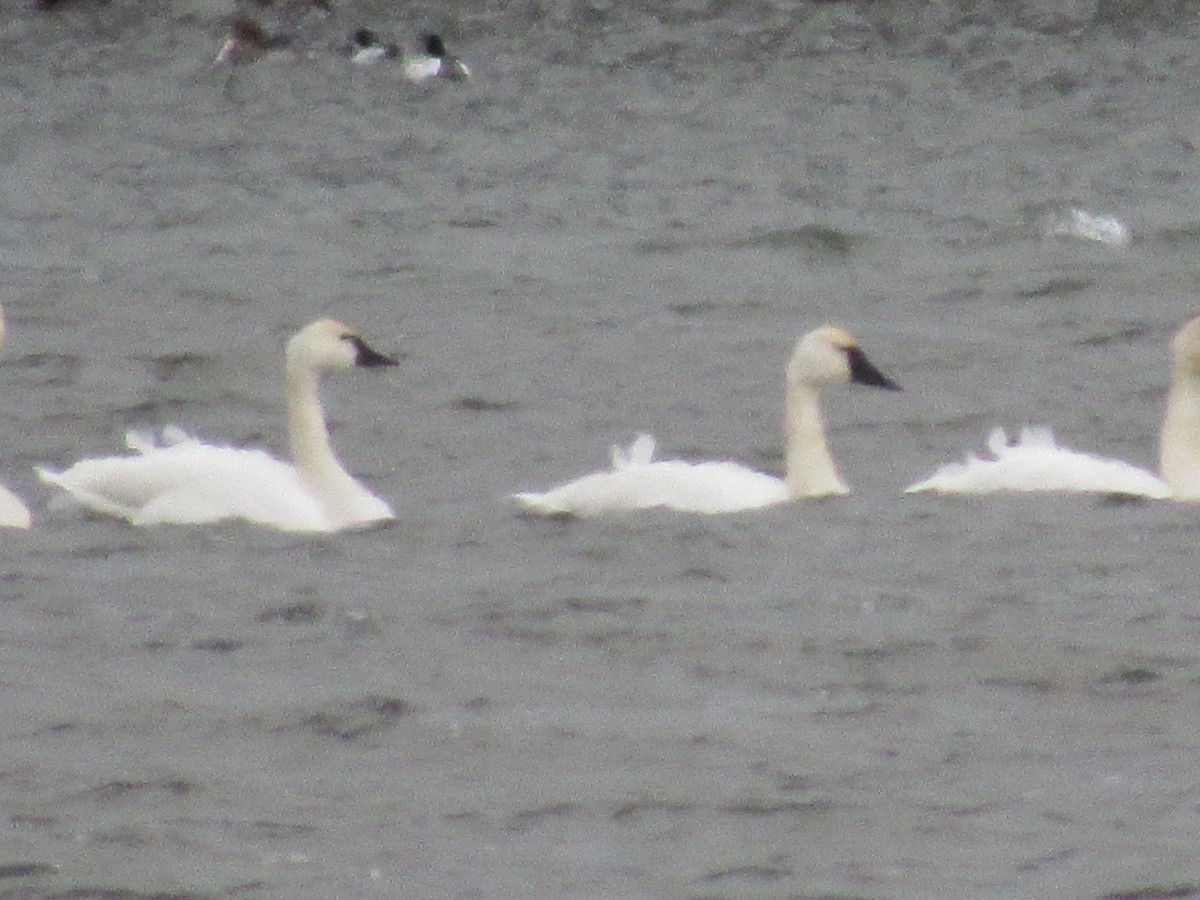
[620,224]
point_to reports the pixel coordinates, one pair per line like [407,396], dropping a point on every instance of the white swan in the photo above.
[13,513]
[1037,463]
[186,481]
[824,356]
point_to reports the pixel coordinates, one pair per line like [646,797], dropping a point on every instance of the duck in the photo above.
[13,511]
[1037,463]
[434,62]
[182,480]
[822,357]
[249,42]
[366,48]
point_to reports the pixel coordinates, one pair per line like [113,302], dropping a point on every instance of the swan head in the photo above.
[1185,349]
[327,344]
[831,355]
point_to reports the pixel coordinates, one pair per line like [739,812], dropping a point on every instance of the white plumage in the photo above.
[1037,463]
[13,512]
[182,480]
[636,481]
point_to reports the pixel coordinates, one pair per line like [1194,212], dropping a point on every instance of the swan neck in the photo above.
[1179,445]
[312,454]
[810,468]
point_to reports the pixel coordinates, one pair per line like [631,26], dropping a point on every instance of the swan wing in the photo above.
[1037,463]
[707,487]
[710,487]
[640,452]
[191,482]
[231,483]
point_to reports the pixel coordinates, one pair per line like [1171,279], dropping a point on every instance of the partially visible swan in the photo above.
[13,513]
[824,356]
[1037,463]
[186,481]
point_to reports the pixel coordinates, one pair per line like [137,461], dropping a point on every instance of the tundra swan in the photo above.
[1037,463]
[13,513]
[186,481]
[824,356]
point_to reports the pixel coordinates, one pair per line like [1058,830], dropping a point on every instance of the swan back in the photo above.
[13,512]
[185,481]
[1037,463]
[637,481]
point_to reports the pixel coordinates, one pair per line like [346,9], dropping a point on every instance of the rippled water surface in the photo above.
[622,223]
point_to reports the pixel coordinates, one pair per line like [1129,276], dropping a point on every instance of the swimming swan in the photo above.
[186,481]
[824,356]
[1037,463]
[13,513]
